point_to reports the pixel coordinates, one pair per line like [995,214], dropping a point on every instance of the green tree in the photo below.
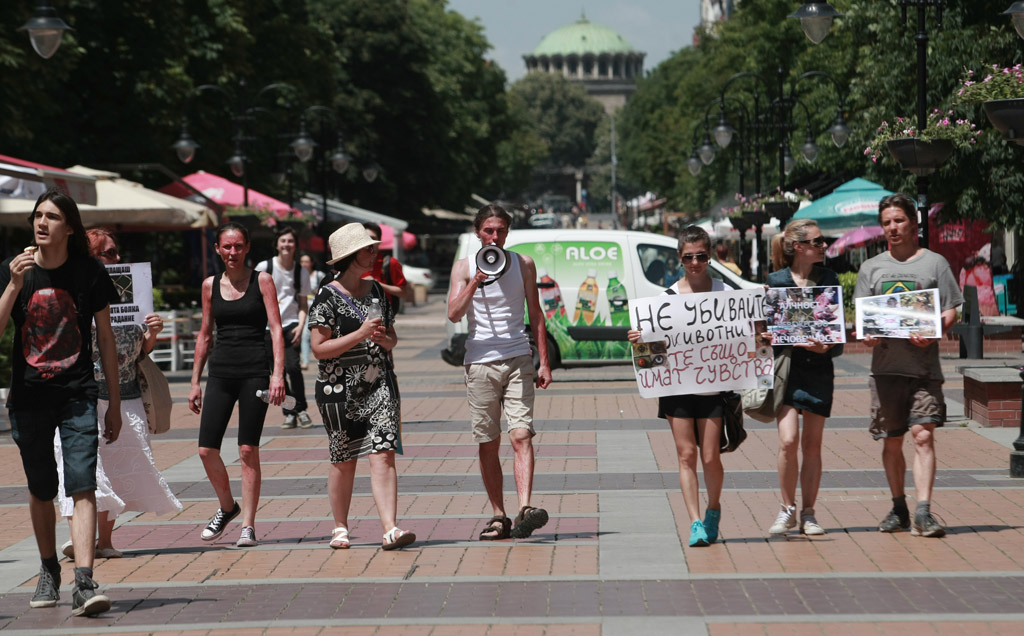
[562,115]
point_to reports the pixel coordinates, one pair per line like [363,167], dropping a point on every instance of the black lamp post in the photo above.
[45,29]
[244,111]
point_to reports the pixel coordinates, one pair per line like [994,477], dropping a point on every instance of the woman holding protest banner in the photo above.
[796,254]
[696,418]
[126,474]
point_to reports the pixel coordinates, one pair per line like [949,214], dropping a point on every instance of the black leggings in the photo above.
[219,402]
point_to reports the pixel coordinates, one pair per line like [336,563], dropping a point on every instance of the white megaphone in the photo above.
[493,261]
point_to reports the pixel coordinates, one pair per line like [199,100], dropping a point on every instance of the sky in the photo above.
[514,27]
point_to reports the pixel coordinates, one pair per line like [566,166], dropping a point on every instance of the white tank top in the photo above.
[497,317]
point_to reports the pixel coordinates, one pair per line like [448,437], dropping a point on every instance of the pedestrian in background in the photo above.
[292,284]
[796,257]
[316,277]
[696,418]
[243,304]
[388,272]
[126,474]
[356,387]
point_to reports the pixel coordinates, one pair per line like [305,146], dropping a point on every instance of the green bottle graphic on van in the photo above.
[618,301]
[586,301]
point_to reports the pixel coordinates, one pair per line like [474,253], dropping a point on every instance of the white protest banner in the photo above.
[699,343]
[899,315]
[133,283]
[796,314]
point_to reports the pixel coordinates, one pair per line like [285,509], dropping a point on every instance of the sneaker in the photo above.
[809,525]
[289,421]
[219,522]
[68,550]
[925,525]
[248,538]
[711,519]
[84,599]
[894,522]
[698,536]
[47,589]
[785,522]
[305,421]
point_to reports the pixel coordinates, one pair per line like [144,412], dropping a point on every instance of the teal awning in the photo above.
[851,205]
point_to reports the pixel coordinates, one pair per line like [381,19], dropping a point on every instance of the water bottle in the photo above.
[289,401]
[373,312]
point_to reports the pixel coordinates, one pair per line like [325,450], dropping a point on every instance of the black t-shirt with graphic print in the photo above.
[52,318]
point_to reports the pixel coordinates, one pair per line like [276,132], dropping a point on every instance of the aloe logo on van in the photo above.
[592,252]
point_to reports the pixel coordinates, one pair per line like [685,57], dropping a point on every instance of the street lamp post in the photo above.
[45,29]
[244,111]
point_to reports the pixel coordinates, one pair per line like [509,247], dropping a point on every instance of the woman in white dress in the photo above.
[126,474]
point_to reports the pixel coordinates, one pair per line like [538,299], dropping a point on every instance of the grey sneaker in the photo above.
[894,522]
[785,522]
[925,525]
[47,589]
[809,524]
[289,421]
[220,521]
[305,421]
[84,599]
[247,539]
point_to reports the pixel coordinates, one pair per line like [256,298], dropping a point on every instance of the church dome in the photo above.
[581,38]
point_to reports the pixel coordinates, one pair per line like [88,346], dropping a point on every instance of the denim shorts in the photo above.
[32,429]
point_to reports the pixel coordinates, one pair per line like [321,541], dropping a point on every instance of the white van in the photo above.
[585,279]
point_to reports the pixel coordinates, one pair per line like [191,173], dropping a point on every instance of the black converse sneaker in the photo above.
[84,599]
[219,522]
[47,589]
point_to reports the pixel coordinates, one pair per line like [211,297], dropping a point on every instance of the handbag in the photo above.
[733,432]
[763,404]
[156,395]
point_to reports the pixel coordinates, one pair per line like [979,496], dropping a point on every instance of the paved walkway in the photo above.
[611,561]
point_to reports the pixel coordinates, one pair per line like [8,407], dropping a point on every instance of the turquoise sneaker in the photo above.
[698,537]
[711,519]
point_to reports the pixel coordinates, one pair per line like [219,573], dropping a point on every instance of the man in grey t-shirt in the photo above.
[906,377]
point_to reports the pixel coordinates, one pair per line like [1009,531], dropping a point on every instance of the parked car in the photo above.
[545,220]
[608,267]
[418,276]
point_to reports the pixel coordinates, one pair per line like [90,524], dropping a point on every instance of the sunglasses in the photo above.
[816,242]
[702,257]
[111,253]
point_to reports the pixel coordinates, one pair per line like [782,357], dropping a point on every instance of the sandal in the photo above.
[528,520]
[339,539]
[502,532]
[396,538]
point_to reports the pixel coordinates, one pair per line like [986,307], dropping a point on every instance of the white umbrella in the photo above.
[120,202]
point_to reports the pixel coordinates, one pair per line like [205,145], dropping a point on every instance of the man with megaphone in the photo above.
[492,291]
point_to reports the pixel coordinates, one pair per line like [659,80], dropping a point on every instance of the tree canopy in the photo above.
[873,60]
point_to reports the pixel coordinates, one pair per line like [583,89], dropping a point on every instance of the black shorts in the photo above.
[218,403]
[691,406]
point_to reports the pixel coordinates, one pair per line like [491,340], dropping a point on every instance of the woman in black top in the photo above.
[242,302]
[796,254]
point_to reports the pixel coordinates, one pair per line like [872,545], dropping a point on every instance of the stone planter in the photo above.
[1007,116]
[919,157]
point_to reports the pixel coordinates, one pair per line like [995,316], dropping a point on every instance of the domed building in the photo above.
[592,54]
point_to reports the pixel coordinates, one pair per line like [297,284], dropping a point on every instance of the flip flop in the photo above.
[339,539]
[528,520]
[503,532]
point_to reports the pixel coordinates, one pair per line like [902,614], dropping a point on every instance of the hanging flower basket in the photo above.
[781,210]
[1007,116]
[918,156]
[741,224]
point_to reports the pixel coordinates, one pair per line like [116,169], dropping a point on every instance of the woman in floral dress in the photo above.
[126,473]
[356,388]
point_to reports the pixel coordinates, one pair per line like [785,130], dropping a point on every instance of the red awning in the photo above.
[27,179]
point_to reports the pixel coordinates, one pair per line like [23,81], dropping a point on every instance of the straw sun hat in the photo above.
[348,240]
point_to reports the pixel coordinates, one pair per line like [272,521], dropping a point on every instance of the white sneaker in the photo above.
[809,525]
[247,539]
[785,522]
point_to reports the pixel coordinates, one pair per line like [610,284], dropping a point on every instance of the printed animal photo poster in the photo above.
[797,314]
[900,315]
[133,283]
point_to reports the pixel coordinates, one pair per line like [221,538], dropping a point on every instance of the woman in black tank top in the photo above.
[242,303]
